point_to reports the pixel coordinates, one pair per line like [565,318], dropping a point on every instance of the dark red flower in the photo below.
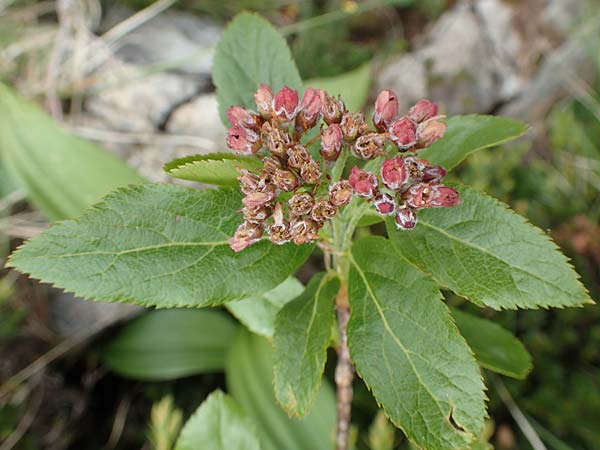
[364,183]
[406,218]
[423,110]
[384,204]
[285,104]
[386,109]
[394,173]
[404,133]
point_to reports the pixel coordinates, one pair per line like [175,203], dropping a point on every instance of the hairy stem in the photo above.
[344,372]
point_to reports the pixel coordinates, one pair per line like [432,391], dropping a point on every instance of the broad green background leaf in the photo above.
[62,174]
[161,245]
[467,134]
[249,373]
[212,168]
[258,313]
[353,86]
[407,349]
[218,424]
[488,254]
[302,331]
[169,344]
[250,52]
[494,347]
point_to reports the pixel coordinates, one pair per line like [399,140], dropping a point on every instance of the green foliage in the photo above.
[467,134]
[352,86]
[62,175]
[219,424]
[302,331]
[249,373]
[165,424]
[158,245]
[381,433]
[486,253]
[494,347]
[258,313]
[212,168]
[251,52]
[407,349]
[165,345]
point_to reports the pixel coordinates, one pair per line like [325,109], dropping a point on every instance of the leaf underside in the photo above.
[212,168]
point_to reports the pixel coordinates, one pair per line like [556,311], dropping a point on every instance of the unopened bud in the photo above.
[406,218]
[311,172]
[340,193]
[285,104]
[285,180]
[394,173]
[430,131]
[310,109]
[433,174]
[444,196]
[304,230]
[298,156]
[333,110]
[247,234]
[242,140]
[384,204]
[364,183]
[386,109]
[264,100]
[369,146]
[261,197]
[424,195]
[353,125]
[331,142]
[423,110]
[323,211]
[404,133]
[239,116]
[301,204]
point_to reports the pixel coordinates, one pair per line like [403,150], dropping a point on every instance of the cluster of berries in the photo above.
[290,198]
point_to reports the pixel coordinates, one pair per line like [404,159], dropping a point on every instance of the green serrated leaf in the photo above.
[250,52]
[258,313]
[160,245]
[149,348]
[62,174]
[352,86]
[467,134]
[249,374]
[494,347]
[212,168]
[302,331]
[218,424]
[488,254]
[407,349]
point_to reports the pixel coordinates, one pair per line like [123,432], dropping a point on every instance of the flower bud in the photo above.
[304,230]
[323,211]
[285,104]
[311,172]
[279,231]
[298,156]
[285,180]
[340,193]
[310,109]
[364,183]
[264,195]
[430,131]
[423,110]
[424,195]
[404,133]
[331,141]
[247,234]
[242,117]
[353,125]
[369,146]
[406,218]
[433,174]
[264,100]
[256,214]
[301,204]
[384,204]
[249,181]
[276,140]
[444,196]
[242,140]
[394,173]
[333,110]
[386,109]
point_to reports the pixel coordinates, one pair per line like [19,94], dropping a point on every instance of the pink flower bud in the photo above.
[331,141]
[363,183]
[323,211]
[406,218]
[333,110]
[404,133]
[369,146]
[340,193]
[424,195]
[304,230]
[433,174]
[310,109]
[247,234]
[394,173]
[301,204]
[430,131]
[353,125]
[444,196]
[423,110]
[264,100]
[264,195]
[285,104]
[242,140]
[311,172]
[298,156]
[385,204]
[242,117]
[386,109]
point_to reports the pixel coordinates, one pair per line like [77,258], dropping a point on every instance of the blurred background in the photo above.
[95,94]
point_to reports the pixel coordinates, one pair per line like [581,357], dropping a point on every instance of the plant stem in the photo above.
[344,372]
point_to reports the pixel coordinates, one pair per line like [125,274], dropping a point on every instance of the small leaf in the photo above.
[158,245]
[258,313]
[488,254]
[218,424]
[62,174]
[494,347]
[467,134]
[250,52]
[212,168]
[165,345]
[302,331]
[165,423]
[408,351]
[249,374]
[352,86]
[381,433]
